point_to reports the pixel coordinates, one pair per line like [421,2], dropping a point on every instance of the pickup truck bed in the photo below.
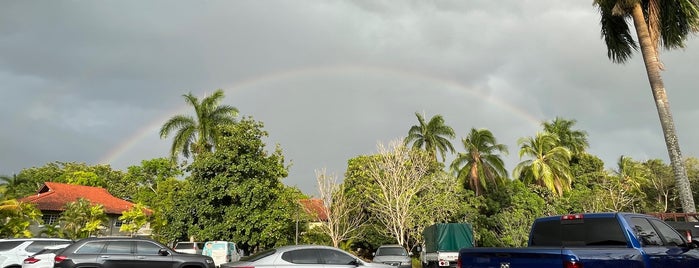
[591,241]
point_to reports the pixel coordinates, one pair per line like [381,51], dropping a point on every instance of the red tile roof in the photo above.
[315,207]
[54,196]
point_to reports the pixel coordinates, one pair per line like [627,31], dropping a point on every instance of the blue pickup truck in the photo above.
[592,240]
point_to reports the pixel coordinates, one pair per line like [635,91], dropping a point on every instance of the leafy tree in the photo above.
[433,136]
[172,213]
[144,180]
[236,193]
[198,135]
[661,186]
[665,24]
[574,140]
[133,219]
[82,219]
[86,178]
[16,217]
[632,176]
[10,186]
[481,164]
[549,166]
[588,170]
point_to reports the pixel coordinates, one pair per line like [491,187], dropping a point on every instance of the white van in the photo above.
[221,251]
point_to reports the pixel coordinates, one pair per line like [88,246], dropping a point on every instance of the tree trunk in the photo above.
[650,59]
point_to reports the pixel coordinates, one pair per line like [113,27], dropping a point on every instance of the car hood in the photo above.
[391,258]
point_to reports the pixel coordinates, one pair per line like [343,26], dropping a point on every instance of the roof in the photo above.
[54,196]
[315,207]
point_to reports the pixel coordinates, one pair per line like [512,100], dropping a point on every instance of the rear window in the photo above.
[7,245]
[259,255]
[586,232]
[391,251]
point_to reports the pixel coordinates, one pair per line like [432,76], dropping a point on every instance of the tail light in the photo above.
[572,217]
[572,264]
[31,260]
[59,258]
[458,261]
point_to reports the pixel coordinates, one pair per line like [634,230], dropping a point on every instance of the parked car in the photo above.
[394,255]
[303,256]
[126,252]
[14,251]
[189,247]
[221,251]
[44,258]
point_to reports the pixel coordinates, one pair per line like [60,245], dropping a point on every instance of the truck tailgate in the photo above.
[512,257]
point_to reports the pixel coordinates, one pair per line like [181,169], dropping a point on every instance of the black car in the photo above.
[122,252]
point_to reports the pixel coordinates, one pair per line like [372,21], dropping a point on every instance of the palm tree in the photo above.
[574,140]
[658,24]
[197,135]
[433,136]
[549,166]
[480,164]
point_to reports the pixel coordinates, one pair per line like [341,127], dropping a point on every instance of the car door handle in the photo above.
[104,257]
[141,257]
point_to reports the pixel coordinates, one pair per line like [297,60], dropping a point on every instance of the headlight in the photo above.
[405,263]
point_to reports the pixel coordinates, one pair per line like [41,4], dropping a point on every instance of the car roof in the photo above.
[34,239]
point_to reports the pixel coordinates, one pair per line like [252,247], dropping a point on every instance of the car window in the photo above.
[331,256]
[7,245]
[147,248]
[183,246]
[118,247]
[94,247]
[36,246]
[200,245]
[302,256]
[671,237]
[259,255]
[645,232]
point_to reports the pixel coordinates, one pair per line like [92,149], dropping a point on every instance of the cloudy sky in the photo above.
[93,81]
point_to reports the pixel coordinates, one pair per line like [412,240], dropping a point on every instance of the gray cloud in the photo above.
[93,81]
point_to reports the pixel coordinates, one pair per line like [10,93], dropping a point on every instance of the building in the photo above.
[317,210]
[52,198]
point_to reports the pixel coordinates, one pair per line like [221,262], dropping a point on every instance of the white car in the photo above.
[14,251]
[43,258]
[303,256]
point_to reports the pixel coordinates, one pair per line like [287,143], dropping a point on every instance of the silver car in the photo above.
[394,255]
[312,256]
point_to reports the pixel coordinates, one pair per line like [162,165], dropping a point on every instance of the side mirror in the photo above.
[163,252]
[356,262]
[693,244]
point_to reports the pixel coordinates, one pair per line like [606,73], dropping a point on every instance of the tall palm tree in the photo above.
[549,166]
[574,140]
[197,135]
[433,136]
[658,24]
[480,164]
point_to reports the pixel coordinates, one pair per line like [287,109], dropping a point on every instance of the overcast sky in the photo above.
[93,81]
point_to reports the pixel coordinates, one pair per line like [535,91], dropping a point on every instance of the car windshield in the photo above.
[398,251]
[184,245]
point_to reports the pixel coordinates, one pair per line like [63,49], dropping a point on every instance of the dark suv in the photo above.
[124,252]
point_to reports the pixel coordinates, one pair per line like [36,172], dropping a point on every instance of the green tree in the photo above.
[236,192]
[433,136]
[574,140]
[82,219]
[31,179]
[134,219]
[86,178]
[549,166]
[633,176]
[661,186]
[198,135]
[481,164]
[16,217]
[665,24]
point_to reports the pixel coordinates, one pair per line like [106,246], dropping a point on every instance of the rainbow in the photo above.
[153,128]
